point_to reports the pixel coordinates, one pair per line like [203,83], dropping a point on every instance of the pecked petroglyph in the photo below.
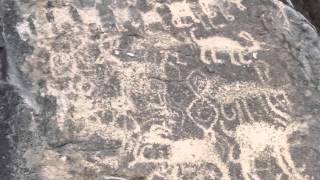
[209,8]
[229,92]
[258,138]
[151,40]
[276,100]
[263,71]
[174,153]
[217,44]
[137,73]
[186,13]
[181,11]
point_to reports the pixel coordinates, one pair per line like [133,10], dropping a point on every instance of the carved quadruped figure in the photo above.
[185,13]
[277,146]
[221,44]
[211,8]
[172,153]
[182,15]
[275,143]
[234,102]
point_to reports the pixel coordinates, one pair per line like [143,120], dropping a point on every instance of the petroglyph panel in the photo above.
[158,90]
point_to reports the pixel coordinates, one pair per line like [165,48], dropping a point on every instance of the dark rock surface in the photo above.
[310,9]
[159,89]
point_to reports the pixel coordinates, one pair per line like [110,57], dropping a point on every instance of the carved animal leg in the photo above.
[240,111]
[203,56]
[209,25]
[233,59]
[286,163]
[215,60]
[198,15]
[262,71]
[227,16]
[247,110]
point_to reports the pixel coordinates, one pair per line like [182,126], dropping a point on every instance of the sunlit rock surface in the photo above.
[159,89]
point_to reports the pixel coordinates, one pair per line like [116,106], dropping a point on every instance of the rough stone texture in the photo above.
[310,9]
[159,89]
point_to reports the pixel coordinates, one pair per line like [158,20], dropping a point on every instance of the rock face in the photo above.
[158,89]
[310,9]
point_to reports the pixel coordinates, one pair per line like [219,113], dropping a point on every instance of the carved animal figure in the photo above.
[225,45]
[182,14]
[210,8]
[174,152]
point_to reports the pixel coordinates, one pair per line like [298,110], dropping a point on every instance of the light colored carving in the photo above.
[228,93]
[183,10]
[280,104]
[180,12]
[199,108]
[255,138]
[217,44]
[187,151]
[225,115]
[210,7]
[263,71]
[198,83]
